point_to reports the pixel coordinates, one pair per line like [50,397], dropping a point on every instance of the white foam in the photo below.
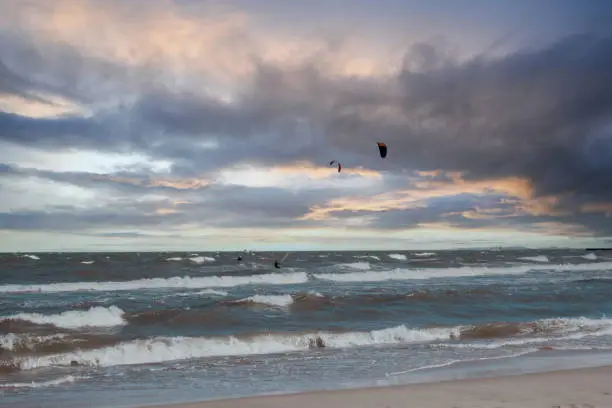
[12,341]
[271,300]
[563,328]
[539,258]
[590,256]
[428,273]
[355,265]
[94,317]
[174,259]
[186,282]
[87,262]
[367,257]
[574,324]
[202,259]
[31,256]
[161,349]
[424,254]
[200,293]
[452,362]
[398,257]
[42,384]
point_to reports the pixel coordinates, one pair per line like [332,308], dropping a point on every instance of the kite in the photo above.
[382,149]
[331,163]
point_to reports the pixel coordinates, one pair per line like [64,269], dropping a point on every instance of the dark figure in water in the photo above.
[316,343]
[276,265]
[238,259]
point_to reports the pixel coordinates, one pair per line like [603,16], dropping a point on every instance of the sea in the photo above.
[133,329]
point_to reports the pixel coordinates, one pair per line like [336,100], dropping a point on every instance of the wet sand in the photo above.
[580,388]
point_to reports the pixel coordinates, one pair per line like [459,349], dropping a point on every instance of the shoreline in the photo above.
[584,387]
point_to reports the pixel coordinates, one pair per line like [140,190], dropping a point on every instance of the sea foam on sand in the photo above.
[579,388]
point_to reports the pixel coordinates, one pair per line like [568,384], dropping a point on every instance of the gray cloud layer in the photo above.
[541,114]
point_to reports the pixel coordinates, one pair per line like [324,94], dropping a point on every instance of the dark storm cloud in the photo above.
[134,183]
[542,114]
[29,67]
[56,133]
[75,220]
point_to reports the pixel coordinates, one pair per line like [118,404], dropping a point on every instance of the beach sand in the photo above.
[580,388]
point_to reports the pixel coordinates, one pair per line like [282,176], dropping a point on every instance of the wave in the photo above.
[590,256]
[279,300]
[27,341]
[541,331]
[161,349]
[424,254]
[31,256]
[271,300]
[355,265]
[74,319]
[202,259]
[365,257]
[451,362]
[538,258]
[199,293]
[186,282]
[398,257]
[429,273]
[87,262]
[44,384]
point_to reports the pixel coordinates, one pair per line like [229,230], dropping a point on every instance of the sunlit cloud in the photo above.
[299,175]
[41,107]
[518,191]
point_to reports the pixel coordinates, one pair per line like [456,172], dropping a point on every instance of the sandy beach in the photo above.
[580,388]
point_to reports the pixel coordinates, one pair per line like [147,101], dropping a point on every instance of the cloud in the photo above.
[234,125]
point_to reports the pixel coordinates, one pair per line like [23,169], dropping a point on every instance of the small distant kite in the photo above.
[382,149]
[331,163]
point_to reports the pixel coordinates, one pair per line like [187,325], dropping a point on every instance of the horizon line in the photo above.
[305,250]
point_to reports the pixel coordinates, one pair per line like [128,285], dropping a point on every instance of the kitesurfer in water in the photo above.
[276,265]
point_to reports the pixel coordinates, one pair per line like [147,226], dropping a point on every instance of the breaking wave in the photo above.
[355,265]
[74,319]
[365,275]
[429,273]
[398,257]
[271,300]
[186,282]
[202,259]
[279,300]
[539,258]
[424,254]
[162,349]
[42,384]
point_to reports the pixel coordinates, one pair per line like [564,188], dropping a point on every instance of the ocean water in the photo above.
[129,329]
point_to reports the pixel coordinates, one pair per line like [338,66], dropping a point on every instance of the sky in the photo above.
[210,125]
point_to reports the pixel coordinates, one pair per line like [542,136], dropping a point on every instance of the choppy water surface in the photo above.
[141,328]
